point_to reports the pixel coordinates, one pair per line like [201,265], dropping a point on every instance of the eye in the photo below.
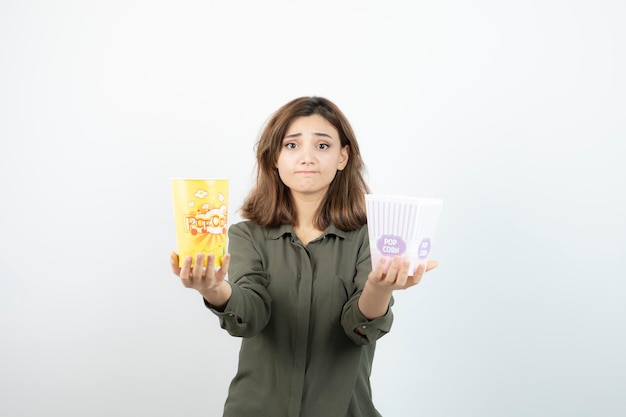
[290,145]
[323,146]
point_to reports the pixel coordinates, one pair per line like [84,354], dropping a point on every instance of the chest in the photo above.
[323,271]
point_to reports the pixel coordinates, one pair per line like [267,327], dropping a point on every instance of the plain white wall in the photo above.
[512,112]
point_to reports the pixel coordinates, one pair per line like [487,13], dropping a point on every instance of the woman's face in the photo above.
[311,153]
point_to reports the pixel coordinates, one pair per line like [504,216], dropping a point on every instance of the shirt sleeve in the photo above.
[357,327]
[249,308]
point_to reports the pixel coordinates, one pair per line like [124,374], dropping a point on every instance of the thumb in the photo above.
[174,263]
[431,265]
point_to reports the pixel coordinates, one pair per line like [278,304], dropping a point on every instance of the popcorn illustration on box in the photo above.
[402,226]
[201,217]
[207,219]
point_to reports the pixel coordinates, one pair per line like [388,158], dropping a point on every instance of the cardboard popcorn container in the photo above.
[402,226]
[201,217]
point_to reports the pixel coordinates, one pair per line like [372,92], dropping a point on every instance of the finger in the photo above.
[431,265]
[174,263]
[223,271]
[392,272]
[416,277]
[403,273]
[198,270]
[379,270]
[185,270]
[210,265]
[419,269]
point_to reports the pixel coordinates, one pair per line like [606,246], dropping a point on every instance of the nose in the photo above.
[307,157]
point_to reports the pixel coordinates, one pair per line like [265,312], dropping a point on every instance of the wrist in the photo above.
[217,296]
[374,300]
[377,289]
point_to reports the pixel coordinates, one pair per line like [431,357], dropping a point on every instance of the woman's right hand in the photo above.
[209,282]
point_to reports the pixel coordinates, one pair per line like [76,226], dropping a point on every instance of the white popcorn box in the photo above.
[402,226]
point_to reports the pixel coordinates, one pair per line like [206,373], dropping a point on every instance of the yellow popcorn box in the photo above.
[201,217]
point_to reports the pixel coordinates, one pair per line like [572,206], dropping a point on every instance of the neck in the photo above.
[306,213]
[306,206]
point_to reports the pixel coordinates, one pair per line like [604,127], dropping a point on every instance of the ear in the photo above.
[343,158]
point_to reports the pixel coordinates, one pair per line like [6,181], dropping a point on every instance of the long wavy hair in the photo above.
[270,204]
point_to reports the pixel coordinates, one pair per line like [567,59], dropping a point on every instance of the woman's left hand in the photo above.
[374,301]
[397,276]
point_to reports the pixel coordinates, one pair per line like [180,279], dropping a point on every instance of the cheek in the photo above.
[339,162]
[281,162]
[282,167]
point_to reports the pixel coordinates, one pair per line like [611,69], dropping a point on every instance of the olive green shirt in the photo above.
[295,308]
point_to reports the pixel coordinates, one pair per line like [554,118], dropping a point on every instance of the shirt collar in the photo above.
[277,232]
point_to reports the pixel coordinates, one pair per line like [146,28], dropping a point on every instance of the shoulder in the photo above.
[254,231]
[245,227]
[359,235]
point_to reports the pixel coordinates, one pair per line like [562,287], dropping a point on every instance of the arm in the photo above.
[248,309]
[207,281]
[377,292]
[242,303]
[367,315]
[359,328]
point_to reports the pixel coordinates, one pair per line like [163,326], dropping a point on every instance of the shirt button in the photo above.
[231,315]
[363,327]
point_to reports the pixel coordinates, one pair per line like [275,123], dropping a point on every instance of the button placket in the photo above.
[303,316]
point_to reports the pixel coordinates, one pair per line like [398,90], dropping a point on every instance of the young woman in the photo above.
[301,292]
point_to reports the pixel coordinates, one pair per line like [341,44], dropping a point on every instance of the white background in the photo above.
[512,112]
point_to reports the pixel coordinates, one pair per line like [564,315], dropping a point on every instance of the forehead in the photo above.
[314,123]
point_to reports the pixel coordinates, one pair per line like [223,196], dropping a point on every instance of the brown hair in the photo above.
[269,203]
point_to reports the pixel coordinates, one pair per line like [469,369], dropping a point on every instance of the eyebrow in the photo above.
[320,134]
